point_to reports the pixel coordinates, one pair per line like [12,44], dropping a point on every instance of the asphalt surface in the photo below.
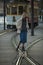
[36,50]
[7,52]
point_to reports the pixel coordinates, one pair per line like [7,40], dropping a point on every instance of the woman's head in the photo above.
[24,14]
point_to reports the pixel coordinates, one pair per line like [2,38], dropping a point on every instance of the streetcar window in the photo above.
[14,10]
[8,10]
[14,19]
[20,10]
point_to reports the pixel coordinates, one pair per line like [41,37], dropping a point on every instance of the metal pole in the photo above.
[4,14]
[32,17]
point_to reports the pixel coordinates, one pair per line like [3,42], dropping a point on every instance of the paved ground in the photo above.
[36,43]
[2,31]
[7,52]
[8,55]
[36,51]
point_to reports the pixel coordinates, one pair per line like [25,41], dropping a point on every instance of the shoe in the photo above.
[23,49]
[16,49]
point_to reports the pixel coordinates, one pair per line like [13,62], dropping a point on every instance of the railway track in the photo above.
[28,60]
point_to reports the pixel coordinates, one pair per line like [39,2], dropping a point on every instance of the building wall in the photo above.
[1,8]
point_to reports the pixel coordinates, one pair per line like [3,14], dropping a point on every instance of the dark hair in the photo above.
[24,11]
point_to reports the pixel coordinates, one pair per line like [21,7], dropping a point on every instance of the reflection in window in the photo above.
[14,10]
[20,10]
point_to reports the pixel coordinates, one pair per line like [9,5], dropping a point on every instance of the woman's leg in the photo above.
[23,48]
[18,46]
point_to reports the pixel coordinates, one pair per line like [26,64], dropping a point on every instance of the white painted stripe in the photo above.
[3,33]
[30,61]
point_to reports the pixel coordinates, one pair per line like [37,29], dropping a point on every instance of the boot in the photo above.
[17,47]
[23,49]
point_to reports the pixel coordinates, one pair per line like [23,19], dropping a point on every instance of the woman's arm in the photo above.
[27,20]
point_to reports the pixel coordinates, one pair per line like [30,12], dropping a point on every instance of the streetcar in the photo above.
[14,14]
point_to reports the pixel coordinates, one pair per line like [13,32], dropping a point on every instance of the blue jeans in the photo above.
[23,37]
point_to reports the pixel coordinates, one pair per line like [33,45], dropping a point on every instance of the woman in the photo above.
[23,33]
